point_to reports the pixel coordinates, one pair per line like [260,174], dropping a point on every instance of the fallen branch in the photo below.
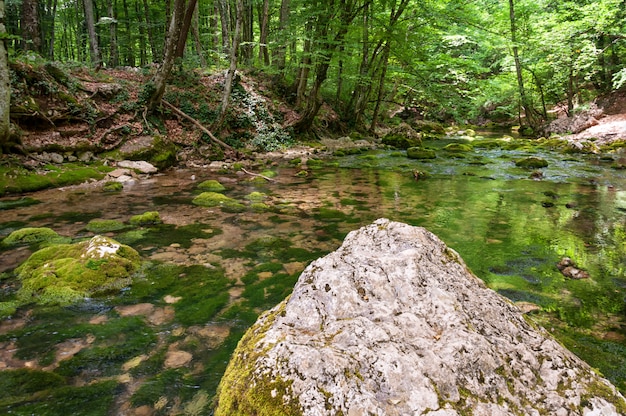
[258,175]
[199,125]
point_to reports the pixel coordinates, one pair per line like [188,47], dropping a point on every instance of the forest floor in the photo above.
[102,111]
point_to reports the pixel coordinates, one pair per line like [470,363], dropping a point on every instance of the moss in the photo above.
[112,186]
[27,382]
[420,153]
[531,163]
[104,226]
[147,218]
[458,147]
[65,273]
[8,308]
[31,235]
[269,173]
[400,141]
[211,185]
[256,196]
[259,207]
[214,199]
[17,203]
[242,391]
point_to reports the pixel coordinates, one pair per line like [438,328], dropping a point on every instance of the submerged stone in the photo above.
[215,199]
[531,163]
[393,323]
[211,185]
[66,273]
[30,235]
[420,153]
[147,218]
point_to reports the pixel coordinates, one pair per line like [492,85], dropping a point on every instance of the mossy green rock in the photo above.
[215,199]
[256,196]
[400,142]
[31,235]
[67,273]
[147,218]
[104,226]
[531,163]
[211,185]
[112,186]
[458,147]
[420,153]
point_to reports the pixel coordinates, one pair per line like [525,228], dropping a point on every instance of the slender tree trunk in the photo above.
[524,101]
[49,29]
[94,48]
[163,73]
[184,31]
[230,74]
[381,84]
[247,32]
[224,10]
[156,56]
[143,50]
[114,57]
[5,85]
[263,33]
[305,68]
[196,36]
[31,31]
[278,55]
[129,56]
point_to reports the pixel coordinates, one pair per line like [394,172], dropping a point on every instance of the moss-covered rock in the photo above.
[420,153]
[458,147]
[531,163]
[211,185]
[66,273]
[31,235]
[155,149]
[215,199]
[256,196]
[104,226]
[147,218]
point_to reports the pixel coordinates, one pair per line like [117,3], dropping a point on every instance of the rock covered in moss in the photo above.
[420,153]
[215,199]
[147,218]
[31,235]
[211,185]
[393,323]
[66,273]
[531,163]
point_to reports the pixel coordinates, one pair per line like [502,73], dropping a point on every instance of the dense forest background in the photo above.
[446,60]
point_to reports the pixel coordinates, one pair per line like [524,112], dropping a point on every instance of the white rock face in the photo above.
[141,166]
[393,323]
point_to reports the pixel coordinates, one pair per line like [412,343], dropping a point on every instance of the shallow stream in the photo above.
[161,345]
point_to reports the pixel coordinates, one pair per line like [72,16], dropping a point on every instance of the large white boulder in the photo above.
[394,323]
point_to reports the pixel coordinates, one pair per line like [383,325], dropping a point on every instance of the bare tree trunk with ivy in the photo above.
[159,81]
[5,85]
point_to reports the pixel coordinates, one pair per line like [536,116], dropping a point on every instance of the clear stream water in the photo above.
[209,273]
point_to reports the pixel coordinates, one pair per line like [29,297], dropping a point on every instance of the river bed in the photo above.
[160,346]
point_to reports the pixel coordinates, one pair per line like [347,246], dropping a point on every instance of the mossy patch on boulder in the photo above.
[31,235]
[420,153]
[66,273]
[531,163]
[256,196]
[147,218]
[112,186]
[211,185]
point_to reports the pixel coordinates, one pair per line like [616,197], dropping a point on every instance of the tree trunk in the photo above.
[524,101]
[156,56]
[49,29]
[184,31]
[224,10]
[196,36]
[263,32]
[278,55]
[31,35]
[94,48]
[5,84]
[163,73]
[247,32]
[129,56]
[230,75]
[114,58]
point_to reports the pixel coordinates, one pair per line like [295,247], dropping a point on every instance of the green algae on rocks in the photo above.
[31,235]
[63,274]
[147,218]
[211,185]
[215,199]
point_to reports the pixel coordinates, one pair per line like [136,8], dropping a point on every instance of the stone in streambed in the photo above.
[393,323]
